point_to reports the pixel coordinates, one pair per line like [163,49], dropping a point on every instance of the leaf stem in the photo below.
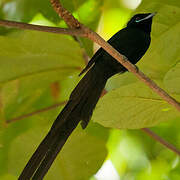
[36,112]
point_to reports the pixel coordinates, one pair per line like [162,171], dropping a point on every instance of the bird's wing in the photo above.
[92,61]
[113,41]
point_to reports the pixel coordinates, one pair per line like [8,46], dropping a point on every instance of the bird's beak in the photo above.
[148,17]
[152,14]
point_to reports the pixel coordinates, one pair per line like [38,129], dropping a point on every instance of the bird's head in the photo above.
[142,21]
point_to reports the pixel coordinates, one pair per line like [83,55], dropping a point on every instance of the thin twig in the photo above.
[57,30]
[36,112]
[161,140]
[42,110]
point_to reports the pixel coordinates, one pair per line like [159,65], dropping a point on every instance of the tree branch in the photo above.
[161,140]
[74,32]
[96,38]
[85,32]
[57,30]
[72,22]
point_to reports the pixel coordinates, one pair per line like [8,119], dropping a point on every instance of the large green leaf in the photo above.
[164,52]
[30,62]
[133,106]
[30,52]
[87,12]
[80,158]
[172,79]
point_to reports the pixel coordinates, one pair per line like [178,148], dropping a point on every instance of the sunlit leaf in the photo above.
[133,106]
[30,62]
[164,51]
[80,158]
[172,79]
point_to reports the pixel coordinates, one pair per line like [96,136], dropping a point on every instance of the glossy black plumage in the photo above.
[132,41]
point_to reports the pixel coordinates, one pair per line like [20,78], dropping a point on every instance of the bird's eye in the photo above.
[137,19]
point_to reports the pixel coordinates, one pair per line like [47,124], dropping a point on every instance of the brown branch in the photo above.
[96,38]
[161,140]
[57,30]
[132,68]
[72,22]
[20,25]
[36,112]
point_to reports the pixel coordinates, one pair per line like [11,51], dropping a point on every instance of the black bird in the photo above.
[132,41]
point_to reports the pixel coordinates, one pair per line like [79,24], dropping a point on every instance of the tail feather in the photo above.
[92,97]
[89,90]
[80,107]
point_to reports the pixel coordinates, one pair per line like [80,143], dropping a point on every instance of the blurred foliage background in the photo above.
[39,70]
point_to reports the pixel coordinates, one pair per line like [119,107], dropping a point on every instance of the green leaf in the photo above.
[132,107]
[81,157]
[172,79]
[89,12]
[120,80]
[8,177]
[164,51]
[36,52]
[24,10]
[30,62]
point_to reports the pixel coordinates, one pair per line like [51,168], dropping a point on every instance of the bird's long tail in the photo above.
[80,106]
